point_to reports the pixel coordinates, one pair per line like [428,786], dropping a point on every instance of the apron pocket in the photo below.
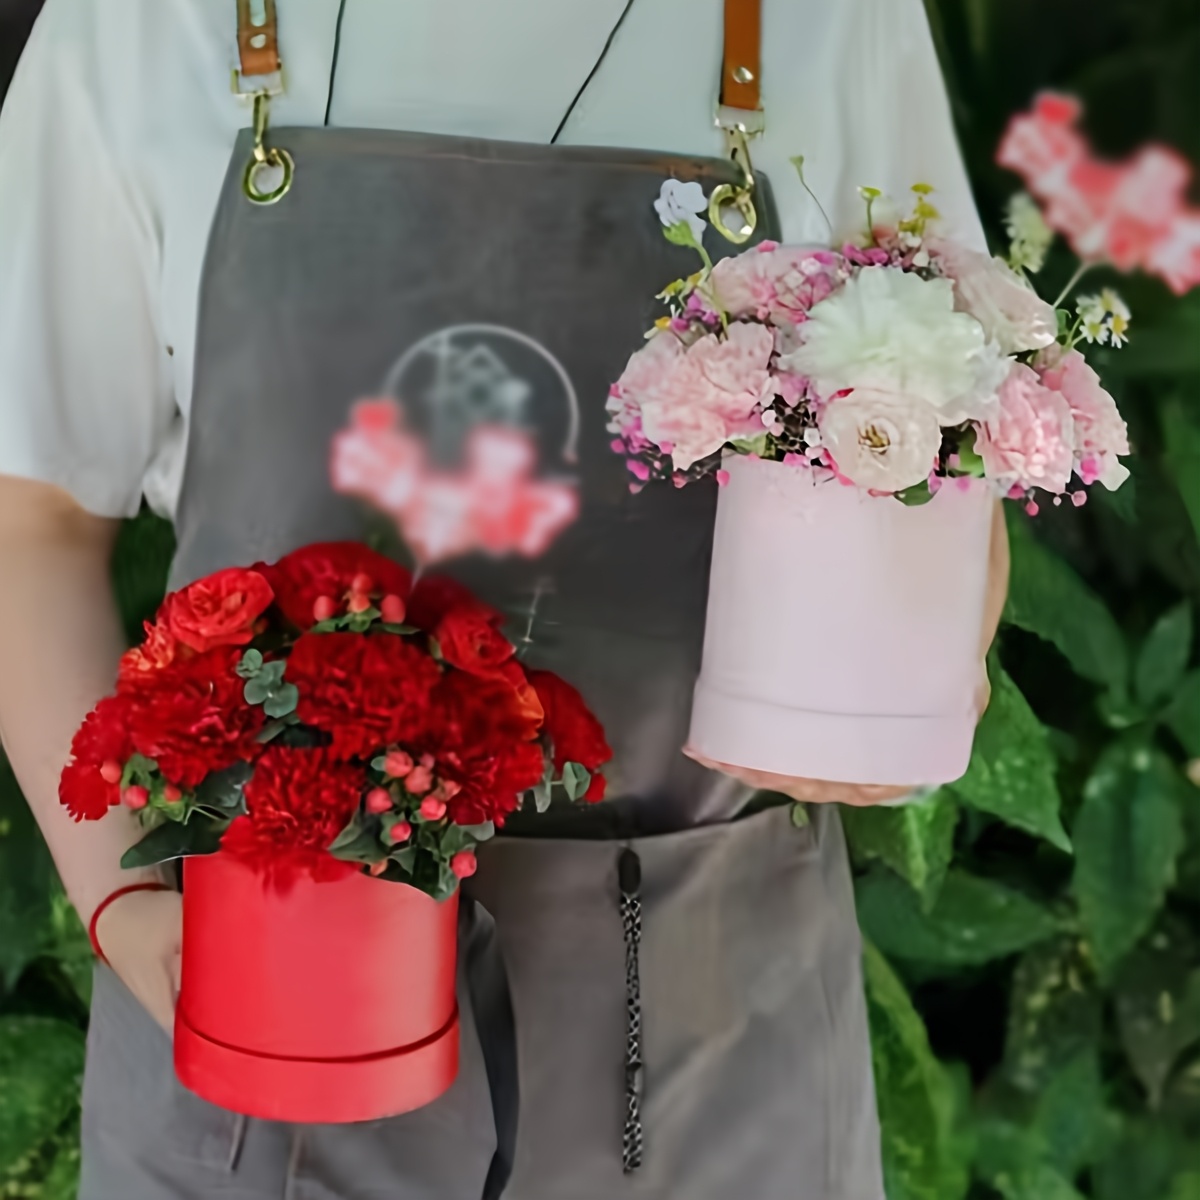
[131,1098]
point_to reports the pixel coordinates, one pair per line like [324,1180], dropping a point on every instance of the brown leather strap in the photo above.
[741,84]
[258,45]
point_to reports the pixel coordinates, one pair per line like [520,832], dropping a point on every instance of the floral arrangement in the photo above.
[322,714]
[898,363]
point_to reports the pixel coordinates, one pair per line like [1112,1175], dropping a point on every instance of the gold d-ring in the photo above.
[735,195]
[265,157]
[274,157]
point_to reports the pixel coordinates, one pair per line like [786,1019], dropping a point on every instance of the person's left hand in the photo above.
[807,791]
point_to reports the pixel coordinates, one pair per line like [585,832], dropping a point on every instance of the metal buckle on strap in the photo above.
[739,125]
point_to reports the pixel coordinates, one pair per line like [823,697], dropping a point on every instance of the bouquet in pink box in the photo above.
[863,407]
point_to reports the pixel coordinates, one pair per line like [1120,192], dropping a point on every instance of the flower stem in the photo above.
[1073,282]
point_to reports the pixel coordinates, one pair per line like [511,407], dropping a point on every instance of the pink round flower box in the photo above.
[844,629]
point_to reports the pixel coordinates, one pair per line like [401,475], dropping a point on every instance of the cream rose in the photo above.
[881,441]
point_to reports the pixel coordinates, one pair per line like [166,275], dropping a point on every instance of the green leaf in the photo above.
[271,673]
[1158,1006]
[224,791]
[406,858]
[140,563]
[1181,433]
[915,496]
[974,920]
[1185,1186]
[576,779]
[1128,835]
[1139,1165]
[26,878]
[1012,771]
[1054,1012]
[173,841]
[1070,1116]
[800,817]
[41,1064]
[542,795]
[1164,656]
[916,840]
[1038,1182]
[358,842]
[1048,599]
[680,234]
[1182,715]
[69,945]
[250,664]
[922,1157]
[257,690]
[283,701]
[481,833]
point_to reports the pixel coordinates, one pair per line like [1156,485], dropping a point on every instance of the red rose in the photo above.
[575,734]
[298,801]
[366,692]
[436,595]
[327,571]
[158,650]
[218,610]
[90,785]
[484,713]
[470,641]
[193,719]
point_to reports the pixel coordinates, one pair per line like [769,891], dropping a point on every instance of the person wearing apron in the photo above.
[683,1014]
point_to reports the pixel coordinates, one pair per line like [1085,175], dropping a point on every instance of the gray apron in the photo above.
[684,977]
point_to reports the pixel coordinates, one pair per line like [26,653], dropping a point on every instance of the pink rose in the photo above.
[1031,441]
[775,283]
[1010,311]
[881,441]
[1100,433]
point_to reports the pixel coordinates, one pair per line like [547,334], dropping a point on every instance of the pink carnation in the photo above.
[1100,433]
[691,399]
[775,283]
[1031,440]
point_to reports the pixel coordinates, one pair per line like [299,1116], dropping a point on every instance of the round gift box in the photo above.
[327,1002]
[843,639]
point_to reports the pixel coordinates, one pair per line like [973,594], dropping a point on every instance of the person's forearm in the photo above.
[60,639]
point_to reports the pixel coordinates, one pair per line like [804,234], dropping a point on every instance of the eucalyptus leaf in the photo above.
[1128,835]
[257,690]
[250,664]
[282,702]
[542,796]
[576,779]
[1164,656]
[481,833]
[172,841]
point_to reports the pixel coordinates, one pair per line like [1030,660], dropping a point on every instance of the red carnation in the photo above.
[493,784]
[574,732]
[472,712]
[87,789]
[298,801]
[158,650]
[218,610]
[193,719]
[327,571]
[436,595]
[470,641]
[366,692]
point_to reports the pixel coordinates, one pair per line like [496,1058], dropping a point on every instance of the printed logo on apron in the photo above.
[471,447]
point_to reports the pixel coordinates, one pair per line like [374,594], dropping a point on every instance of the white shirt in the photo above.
[117,132]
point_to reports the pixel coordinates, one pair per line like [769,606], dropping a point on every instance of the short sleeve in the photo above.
[85,398]
[903,129]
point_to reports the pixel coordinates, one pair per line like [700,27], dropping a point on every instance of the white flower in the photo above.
[1114,305]
[1007,307]
[1118,327]
[882,442]
[1091,309]
[679,203]
[1095,330]
[1030,235]
[899,334]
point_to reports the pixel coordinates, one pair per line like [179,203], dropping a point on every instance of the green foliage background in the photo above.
[1033,956]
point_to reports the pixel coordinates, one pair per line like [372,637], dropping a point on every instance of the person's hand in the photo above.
[807,791]
[141,934]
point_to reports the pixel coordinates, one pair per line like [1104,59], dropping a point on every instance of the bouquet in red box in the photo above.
[293,730]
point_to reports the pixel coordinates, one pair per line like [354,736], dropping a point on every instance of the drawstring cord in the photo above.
[629,876]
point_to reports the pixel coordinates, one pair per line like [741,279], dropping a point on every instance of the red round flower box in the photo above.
[330,1002]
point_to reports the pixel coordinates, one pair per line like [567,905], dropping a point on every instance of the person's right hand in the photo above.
[141,934]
